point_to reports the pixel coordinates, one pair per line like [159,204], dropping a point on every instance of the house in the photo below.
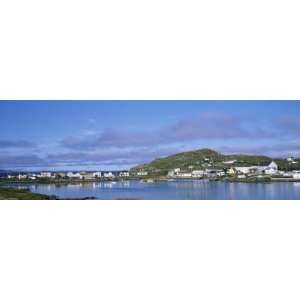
[171,173]
[124,174]
[60,174]
[97,174]
[87,176]
[142,173]
[184,175]
[45,174]
[229,162]
[108,174]
[271,169]
[22,176]
[231,171]
[214,172]
[296,174]
[246,170]
[74,175]
[197,173]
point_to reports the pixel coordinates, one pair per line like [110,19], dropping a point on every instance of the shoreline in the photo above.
[149,180]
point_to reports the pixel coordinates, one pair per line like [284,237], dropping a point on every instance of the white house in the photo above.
[197,173]
[97,174]
[22,176]
[231,171]
[271,169]
[214,172]
[229,162]
[142,173]
[45,174]
[246,170]
[124,174]
[108,175]
[74,175]
[184,175]
[171,173]
[296,174]
[174,172]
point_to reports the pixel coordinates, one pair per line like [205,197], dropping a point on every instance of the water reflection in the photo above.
[180,189]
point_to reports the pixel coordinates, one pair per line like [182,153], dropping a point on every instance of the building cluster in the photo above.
[239,172]
[70,175]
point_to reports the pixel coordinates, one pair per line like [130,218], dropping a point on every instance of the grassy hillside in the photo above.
[207,158]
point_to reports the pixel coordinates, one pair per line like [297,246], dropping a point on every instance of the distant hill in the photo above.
[206,158]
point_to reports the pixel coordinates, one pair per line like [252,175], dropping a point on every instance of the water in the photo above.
[179,189]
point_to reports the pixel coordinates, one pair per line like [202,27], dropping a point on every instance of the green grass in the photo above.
[21,194]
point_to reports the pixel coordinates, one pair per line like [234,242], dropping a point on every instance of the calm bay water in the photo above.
[180,189]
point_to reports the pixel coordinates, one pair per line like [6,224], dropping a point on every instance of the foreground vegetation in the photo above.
[22,194]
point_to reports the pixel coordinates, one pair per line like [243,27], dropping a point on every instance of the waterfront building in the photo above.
[45,174]
[124,174]
[231,171]
[229,162]
[214,172]
[142,173]
[171,173]
[184,175]
[87,176]
[271,169]
[74,175]
[97,174]
[296,174]
[246,170]
[108,175]
[197,173]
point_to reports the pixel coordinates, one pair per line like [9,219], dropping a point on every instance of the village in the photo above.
[226,170]
[72,176]
[238,173]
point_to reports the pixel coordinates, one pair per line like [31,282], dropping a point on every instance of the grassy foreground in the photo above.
[22,194]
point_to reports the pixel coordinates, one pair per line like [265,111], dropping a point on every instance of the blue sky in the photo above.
[69,135]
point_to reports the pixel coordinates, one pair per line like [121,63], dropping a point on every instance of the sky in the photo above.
[114,135]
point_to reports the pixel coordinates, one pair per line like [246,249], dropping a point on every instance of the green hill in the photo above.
[206,158]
